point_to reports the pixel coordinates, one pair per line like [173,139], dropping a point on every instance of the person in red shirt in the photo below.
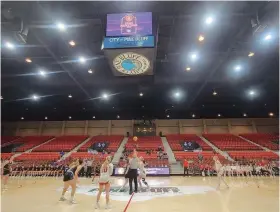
[186,167]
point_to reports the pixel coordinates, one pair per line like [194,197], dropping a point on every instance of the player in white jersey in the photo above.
[220,170]
[142,174]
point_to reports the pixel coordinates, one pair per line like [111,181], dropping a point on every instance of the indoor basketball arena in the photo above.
[143,106]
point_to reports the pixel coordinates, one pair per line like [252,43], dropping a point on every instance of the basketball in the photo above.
[135,138]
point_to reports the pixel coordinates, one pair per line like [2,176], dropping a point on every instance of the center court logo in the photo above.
[144,194]
[131,63]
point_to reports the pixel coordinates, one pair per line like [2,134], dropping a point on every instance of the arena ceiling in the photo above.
[243,85]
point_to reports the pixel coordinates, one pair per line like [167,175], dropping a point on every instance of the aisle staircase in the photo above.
[30,150]
[168,150]
[264,148]
[225,154]
[119,152]
[75,149]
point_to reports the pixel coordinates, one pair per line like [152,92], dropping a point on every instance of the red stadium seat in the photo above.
[229,142]
[65,143]
[113,140]
[263,139]
[31,141]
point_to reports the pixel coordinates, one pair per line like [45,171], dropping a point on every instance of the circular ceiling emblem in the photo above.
[131,63]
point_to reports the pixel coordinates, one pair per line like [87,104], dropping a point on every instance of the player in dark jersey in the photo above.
[70,179]
[6,173]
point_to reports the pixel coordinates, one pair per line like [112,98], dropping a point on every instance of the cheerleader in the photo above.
[142,174]
[220,170]
[106,171]
[70,179]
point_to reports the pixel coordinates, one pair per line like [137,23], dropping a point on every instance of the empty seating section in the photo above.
[6,156]
[31,141]
[264,140]
[114,142]
[8,139]
[144,143]
[65,143]
[230,142]
[174,141]
[253,155]
[35,156]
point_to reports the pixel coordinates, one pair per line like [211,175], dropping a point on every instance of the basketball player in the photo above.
[6,173]
[220,170]
[106,171]
[70,179]
[142,174]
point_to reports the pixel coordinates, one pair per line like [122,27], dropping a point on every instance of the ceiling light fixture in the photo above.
[22,118]
[69,96]
[188,69]
[193,115]
[251,54]
[9,45]
[244,114]
[219,115]
[215,93]
[167,116]
[105,96]
[61,26]
[209,20]
[35,97]
[70,117]
[237,68]
[268,37]
[82,60]
[28,60]
[141,94]
[201,38]
[72,43]
[90,71]
[42,73]
[271,114]
[93,117]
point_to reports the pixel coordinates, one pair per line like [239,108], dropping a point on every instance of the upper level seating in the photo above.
[174,140]
[65,143]
[253,155]
[31,141]
[144,143]
[7,139]
[230,142]
[34,156]
[6,156]
[113,140]
[264,140]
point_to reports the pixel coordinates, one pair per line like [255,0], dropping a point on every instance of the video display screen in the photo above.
[129,24]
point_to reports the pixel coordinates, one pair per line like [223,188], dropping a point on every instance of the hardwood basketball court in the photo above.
[180,194]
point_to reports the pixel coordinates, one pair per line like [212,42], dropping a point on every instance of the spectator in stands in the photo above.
[61,153]
[186,167]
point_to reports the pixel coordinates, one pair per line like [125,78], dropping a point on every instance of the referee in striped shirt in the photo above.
[132,172]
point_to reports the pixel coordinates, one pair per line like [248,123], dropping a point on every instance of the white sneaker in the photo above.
[108,206]
[97,206]
[62,199]
[73,202]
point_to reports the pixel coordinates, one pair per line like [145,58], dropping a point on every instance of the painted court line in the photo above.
[128,202]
